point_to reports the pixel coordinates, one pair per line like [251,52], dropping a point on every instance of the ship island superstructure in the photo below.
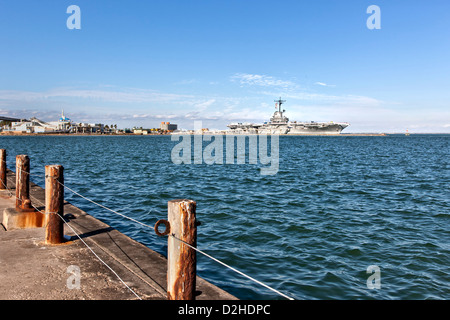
[280,124]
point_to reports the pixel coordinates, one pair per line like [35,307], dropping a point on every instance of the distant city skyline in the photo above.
[137,63]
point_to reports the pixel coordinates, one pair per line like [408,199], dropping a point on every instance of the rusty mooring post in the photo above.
[3,180]
[182,260]
[23,202]
[54,204]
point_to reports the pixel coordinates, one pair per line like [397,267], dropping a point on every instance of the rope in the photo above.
[29,173]
[11,194]
[196,249]
[8,189]
[87,246]
[106,208]
[148,226]
[231,268]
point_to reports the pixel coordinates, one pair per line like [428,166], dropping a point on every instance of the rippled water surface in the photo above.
[337,206]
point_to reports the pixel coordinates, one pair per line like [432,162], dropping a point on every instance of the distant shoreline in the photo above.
[3,134]
[75,134]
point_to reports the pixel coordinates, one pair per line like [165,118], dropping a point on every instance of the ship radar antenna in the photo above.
[279,103]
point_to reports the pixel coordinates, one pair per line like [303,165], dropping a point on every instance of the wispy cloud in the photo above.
[202,106]
[327,99]
[262,80]
[128,95]
[146,107]
[272,86]
[323,84]
[186,82]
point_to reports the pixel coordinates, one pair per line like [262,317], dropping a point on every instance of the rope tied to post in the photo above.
[167,232]
[171,235]
[218,261]
[64,221]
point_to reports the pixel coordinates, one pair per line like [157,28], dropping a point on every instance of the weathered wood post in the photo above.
[3,180]
[23,202]
[54,204]
[182,260]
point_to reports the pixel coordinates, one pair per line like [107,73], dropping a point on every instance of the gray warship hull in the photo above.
[317,128]
[280,124]
[298,128]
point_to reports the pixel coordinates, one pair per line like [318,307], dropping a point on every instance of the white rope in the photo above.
[8,189]
[196,249]
[106,208]
[87,246]
[11,194]
[118,277]
[146,225]
[29,173]
[235,270]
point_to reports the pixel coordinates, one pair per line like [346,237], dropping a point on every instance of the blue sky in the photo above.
[137,63]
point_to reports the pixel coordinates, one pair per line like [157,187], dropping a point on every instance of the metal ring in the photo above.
[166,224]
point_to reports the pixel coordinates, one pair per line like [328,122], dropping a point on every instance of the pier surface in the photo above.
[32,270]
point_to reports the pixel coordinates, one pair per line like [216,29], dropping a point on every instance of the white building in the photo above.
[35,125]
[63,125]
[32,126]
[23,127]
[87,128]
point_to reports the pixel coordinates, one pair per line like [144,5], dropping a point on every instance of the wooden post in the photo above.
[54,204]
[182,260]
[3,180]
[23,202]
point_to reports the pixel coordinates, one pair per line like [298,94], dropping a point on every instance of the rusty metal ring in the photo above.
[167,225]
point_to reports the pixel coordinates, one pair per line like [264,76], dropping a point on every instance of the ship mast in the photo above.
[279,102]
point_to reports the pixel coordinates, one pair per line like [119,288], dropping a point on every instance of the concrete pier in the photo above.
[31,269]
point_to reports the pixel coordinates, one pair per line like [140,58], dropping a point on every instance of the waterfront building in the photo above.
[167,126]
[34,125]
[87,128]
[63,125]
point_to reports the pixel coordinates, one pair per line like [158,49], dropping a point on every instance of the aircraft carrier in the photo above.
[280,124]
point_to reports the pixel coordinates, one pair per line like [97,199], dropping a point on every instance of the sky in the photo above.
[137,63]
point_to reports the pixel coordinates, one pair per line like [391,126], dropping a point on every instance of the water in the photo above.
[337,206]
